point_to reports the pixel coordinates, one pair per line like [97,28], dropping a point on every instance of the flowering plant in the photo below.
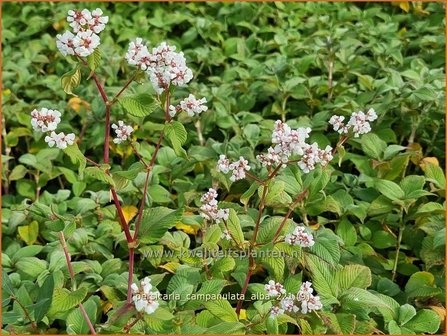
[251,195]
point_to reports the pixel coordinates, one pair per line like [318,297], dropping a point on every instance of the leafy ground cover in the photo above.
[375,214]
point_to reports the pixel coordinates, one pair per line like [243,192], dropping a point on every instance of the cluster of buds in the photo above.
[237,168]
[143,298]
[122,131]
[209,209]
[299,237]
[289,303]
[86,25]
[190,105]
[163,64]
[46,120]
[313,155]
[358,123]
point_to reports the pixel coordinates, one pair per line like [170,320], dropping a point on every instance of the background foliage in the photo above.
[255,63]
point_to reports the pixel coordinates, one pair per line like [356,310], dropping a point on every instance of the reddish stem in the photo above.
[71,273]
[120,212]
[289,212]
[140,210]
[124,88]
[130,278]
[251,266]
[107,134]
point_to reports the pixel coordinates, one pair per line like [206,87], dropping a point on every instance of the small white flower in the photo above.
[309,302]
[300,237]
[60,140]
[190,105]
[122,132]
[239,168]
[138,54]
[78,19]
[209,209]
[98,22]
[337,122]
[275,311]
[288,305]
[223,165]
[85,43]
[274,288]
[45,120]
[65,44]
[143,298]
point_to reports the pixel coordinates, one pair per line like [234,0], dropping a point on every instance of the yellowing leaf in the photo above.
[243,314]
[7,92]
[426,160]
[189,229]
[129,212]
[76,103]
[405,6]
[29,233]
[170,266]
[416,154]
[107,306]
[440,311]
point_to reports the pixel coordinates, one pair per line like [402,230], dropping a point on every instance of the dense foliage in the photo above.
[376,212]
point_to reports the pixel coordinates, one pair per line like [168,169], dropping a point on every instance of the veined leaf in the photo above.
[71,80]
[139,105]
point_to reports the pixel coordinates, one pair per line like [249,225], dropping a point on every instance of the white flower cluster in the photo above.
[144,298]
[313,155]
[60,140]
[238,168]
[290,142]
[358,122]
[309,302]
[209,209]
[288,304]
[86,25]
[164,65]
[46,120]
[274,289]
[299,237]
[122,132]
[190,105]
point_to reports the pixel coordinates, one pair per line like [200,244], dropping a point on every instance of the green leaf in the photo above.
[373,145]
[156,221]
[234,227]
[177,135]
[45,292]
[272,326]
[353,276]
[340,323]
[323,278]
[435,174]
[421,284]
[7,286]
[222,309]
[406,313]
[71,80]
[76,323]
[346,231]
[383,239]
[29,232]
[235,328]
[94,59]
[18,172]
[64,300]
[100,174]
[140,105]
[76,156]
[327,249]
[212,234]
[425,321]
[389,189]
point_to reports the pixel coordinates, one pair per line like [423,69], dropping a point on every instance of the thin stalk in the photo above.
[251,267]
[73,281]
[289,212]
[198,126]
[396,258]
[131,79]
[25,311]
[130,277]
